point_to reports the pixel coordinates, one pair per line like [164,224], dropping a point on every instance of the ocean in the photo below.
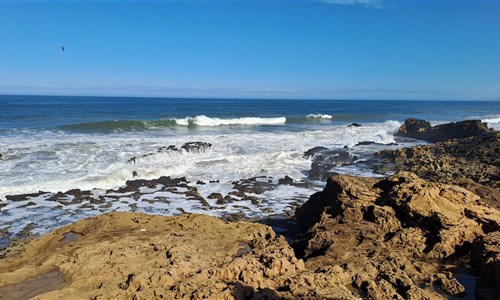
[58,143]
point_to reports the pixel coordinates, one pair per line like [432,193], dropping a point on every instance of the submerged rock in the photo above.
[325,160]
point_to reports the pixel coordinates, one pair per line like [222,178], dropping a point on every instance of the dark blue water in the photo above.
[100,114]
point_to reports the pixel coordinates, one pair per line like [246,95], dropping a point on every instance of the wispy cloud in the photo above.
[367,3]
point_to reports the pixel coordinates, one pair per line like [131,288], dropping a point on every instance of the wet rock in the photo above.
[23,197]
[365,143]
[422,130]
[310,153]
[200,182]
[285,180]
[196,147]
[354,125]
[169,148]
[217,196]
[254,185]
[325,160]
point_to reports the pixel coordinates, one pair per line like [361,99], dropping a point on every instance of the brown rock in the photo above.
[134,255]
[422,130]
[392,235]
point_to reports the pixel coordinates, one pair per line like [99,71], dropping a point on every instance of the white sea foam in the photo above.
[212,122]
[493,122]
[319,116]
[59,161]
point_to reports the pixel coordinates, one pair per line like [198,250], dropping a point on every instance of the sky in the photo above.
[346,49]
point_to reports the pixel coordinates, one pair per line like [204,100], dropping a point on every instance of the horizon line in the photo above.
[245,98]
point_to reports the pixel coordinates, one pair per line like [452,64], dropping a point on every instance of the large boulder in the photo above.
[393,236]
[422,130]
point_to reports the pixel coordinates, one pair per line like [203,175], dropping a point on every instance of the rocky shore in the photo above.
[429,231]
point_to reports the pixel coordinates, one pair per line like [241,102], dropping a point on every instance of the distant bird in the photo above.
[62,48]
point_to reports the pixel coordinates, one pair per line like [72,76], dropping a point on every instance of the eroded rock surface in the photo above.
[473,163]
[392,236]
[422,130]
[134,255]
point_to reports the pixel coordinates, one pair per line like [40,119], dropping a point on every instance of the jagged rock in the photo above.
[390,235]
[196,147]
[325,160]
[486,256]
[312,151]
[472,163]
[254,185]
[23,197]
[285,180]
[422,130]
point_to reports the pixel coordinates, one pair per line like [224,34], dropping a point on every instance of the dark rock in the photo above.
[217,196]
[134,174]
[196,147]
[285,180]
[486,257]
[354,125]
[422,130]
[325,160]
[312,151]
[200,182]
[23,197]
[365,143]
[169,148]
[253,186]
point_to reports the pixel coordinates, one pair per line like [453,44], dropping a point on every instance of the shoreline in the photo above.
[416,234]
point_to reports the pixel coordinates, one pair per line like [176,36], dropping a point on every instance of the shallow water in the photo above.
[32,287]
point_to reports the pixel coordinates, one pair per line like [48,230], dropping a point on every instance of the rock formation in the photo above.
[422,130]
[398,237]
[473,163]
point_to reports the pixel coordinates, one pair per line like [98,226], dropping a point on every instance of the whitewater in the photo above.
[51,145]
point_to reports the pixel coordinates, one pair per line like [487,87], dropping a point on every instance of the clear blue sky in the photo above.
[281,49]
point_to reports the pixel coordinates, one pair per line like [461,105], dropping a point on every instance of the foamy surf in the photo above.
[212,122]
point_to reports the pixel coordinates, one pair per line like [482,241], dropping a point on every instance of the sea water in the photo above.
[60,143]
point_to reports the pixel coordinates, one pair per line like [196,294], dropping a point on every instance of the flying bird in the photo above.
[62,48]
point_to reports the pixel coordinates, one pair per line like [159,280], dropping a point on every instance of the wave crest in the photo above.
[212,122]
[319,116]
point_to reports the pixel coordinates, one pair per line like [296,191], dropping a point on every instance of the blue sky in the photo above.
[252,49]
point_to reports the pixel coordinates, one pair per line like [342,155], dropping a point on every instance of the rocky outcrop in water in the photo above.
[422,130]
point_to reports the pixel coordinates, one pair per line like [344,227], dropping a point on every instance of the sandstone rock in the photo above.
[486,256]
[391,235]
[139,256]
[473,163]
[422,130]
